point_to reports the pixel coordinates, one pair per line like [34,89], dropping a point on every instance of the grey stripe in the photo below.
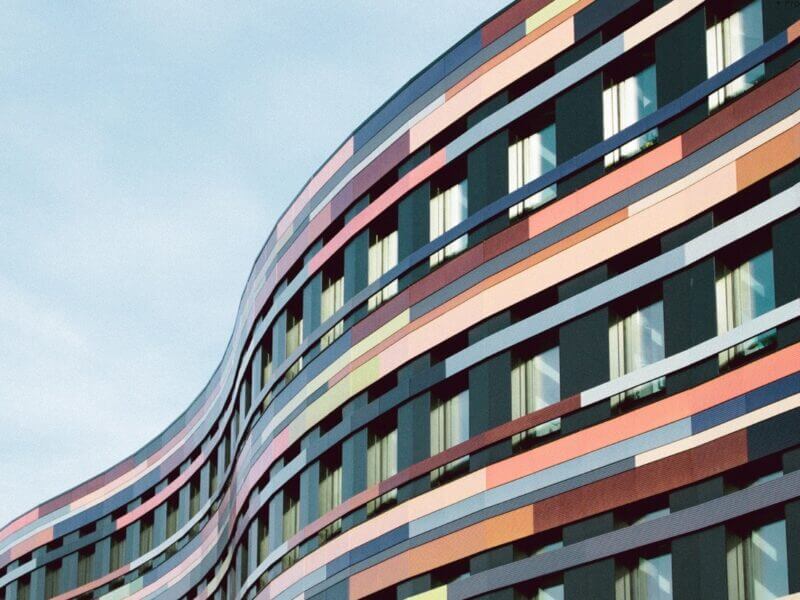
[654,269]
[606,545]
[773,318]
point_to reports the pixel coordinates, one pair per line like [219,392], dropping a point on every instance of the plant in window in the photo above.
[745,289]
[627,99]
[730,36]
[448,208]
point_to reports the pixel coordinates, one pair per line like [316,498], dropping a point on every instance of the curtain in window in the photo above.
[330,487]
[145,536]
[729,40]
[624,104]
[263,537]
[85,560]
[757,563]
[332,300]
[291,516]
[447,210]
[117,551]
[535,384]
[382,257]
[449,426]
[635,341]
[744,293]
[172,517]
[381,464]
[649,579]
[294,337]
[266,364]
[51,576]
[529,158]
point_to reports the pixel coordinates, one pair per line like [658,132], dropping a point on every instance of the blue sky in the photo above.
[147,149]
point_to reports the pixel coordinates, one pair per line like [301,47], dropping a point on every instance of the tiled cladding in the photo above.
[367,433]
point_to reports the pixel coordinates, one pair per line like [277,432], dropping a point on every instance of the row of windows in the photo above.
[756,554]
[636,338]
[630,94]
[732,31]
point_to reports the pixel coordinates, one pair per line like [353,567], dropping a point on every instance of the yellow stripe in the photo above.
[548,12]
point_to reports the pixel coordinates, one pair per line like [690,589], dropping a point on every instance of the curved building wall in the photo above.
[533,330]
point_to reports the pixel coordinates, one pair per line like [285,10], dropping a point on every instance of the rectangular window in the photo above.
[266,361]
[291,510]
[449,427]
[117,550]
[447,209]
[85,560]
[757,563]
[194,496]
[535,384]
[172,516]
[146,534]
[635,340]
[647,577]
[52,574]
[294,335]
[330,491]
[626,101]
[213,473]
[382,460]
[24,588]
[529,157]
[730,37]
[263,535]
[381,259]
[291,520]
[745,290]
[332,300]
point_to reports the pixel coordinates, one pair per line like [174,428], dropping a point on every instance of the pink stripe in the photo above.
[412,179]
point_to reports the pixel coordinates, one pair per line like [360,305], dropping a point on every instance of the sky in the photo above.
[146,150]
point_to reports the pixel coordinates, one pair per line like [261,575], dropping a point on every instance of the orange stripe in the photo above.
[516,47]
[487,534]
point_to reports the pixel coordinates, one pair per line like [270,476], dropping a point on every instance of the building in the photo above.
[532,331]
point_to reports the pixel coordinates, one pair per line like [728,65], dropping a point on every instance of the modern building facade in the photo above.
[532,331]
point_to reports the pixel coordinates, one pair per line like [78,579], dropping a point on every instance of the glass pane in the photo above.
[653,578]
[768,564]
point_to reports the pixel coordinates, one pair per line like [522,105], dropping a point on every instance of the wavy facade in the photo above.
[532,331]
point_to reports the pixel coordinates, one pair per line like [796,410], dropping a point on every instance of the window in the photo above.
[530,157]
[728,38]
[745,290]
[24,588]
[382,460]
[757,564]
[51,575]
[647,577]
[332,300]
[85,560]
[266,361]
[291,509]
[330,490]
[172,515]
[447,209]
[449,427]
[635,340]
[535,384]
[381,259]
[626,101]
[294,335]
[263,535]
[117,550]
[194,496]
[146,534]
